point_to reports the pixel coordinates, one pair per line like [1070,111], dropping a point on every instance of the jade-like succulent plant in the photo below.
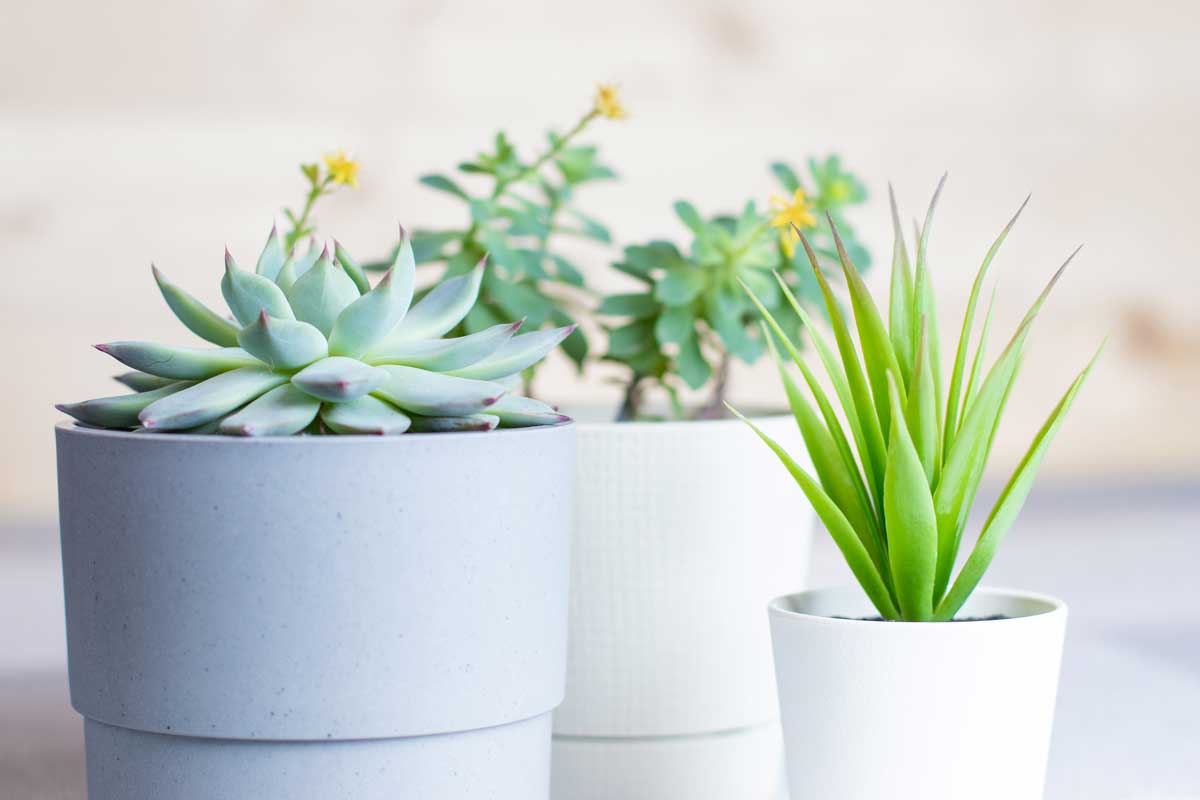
[898,510]
[312,347]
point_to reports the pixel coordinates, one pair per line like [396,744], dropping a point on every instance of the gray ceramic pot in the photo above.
[316,617]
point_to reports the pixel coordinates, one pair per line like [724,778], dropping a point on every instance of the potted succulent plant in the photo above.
[920,685]
[670,691]
[269,594]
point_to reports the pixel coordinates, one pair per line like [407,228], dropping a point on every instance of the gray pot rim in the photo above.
[783,607]
[77,429]
[676,424]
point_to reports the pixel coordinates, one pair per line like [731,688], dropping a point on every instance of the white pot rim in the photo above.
[784,607]
[678,424]
[76,429]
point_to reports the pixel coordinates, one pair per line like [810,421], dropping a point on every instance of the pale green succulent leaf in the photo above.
[1009,504]
[286,277]
[840,529]
[433,394]
[199,318]
[445,355]
[302,264]
[209,400]
[248,294]
[954,397]
[515,411]
[365,415]
[320,295]
[282,411]
[372,318]
[444,307]
[352,267]
[910,521]
[465,424]
[272,257]
[515,354]
[284,344]
[338,379]
[120,411]
[179,363]
[141,381]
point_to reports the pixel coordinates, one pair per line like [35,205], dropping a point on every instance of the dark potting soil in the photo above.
[964,619]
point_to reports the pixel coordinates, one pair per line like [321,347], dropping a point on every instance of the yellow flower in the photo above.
[797,212]
[608,102]
[342,169]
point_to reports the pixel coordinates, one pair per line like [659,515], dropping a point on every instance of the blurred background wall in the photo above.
[139,131]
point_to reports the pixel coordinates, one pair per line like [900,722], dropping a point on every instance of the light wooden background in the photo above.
[139,131]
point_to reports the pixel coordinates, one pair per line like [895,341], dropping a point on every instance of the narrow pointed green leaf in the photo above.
[444,307]
[515,411]
[352,267]
[860,394]
[285,279]
[366,415]
[924,305]
[209,400]
[120,411]
[909,517]
[445,355]
[953,397]
[921,412]
[199,318]
[280,412]
[515,354]
[373,317]
[900,300]
[180,363]
[465,424]
[878,356]
[1009,504]
[977,363]
[248,294]
[272,257]
[431,394]
[840,529]
[141,381]
[284,344]
[320,295]
[338,379]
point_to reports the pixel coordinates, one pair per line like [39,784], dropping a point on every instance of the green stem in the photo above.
[301,223]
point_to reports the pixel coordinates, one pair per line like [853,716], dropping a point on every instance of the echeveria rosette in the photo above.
[313,347]
[897,471]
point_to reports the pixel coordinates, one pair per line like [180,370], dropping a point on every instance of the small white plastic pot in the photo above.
[917,710]
[683,532]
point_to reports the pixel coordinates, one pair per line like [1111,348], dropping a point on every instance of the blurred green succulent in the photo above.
[518,221]
[899,510]
[312,347]
[692,312]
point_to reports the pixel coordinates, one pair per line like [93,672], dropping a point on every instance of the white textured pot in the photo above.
[683,532]
[316,617]
[917,710]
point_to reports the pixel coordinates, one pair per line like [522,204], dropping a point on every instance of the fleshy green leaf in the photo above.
[280,412]
[464,424]
[284,344]
[445,355]
[271,259]
[431,394]
[199,318]
[515,411]
[441,309]
[366,415]
[180,363]
[688,214]
[924,307]
[921,412]
[977,363]
[1009,504]
[120,411]
[675,326]
[210,400]
[910,521]
[444,184]
[372,318]
[680,286]
[691,363]
[338,379]
[838,526]
[634,306]
[247,294]
[900,300]
[516,354]
[142,382]
[321,294]
[352,267]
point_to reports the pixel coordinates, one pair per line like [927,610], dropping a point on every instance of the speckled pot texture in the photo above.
[316,617]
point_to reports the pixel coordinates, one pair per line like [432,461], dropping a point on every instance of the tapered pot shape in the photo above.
[316,617]
[917,710]
[683,533]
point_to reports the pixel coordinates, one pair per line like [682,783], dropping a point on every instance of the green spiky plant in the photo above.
[312,347]
[898,511]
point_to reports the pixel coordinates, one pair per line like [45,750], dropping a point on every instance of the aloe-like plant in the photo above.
[313,347]
[898,511]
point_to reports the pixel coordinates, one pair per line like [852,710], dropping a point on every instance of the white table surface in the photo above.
[1127,561]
